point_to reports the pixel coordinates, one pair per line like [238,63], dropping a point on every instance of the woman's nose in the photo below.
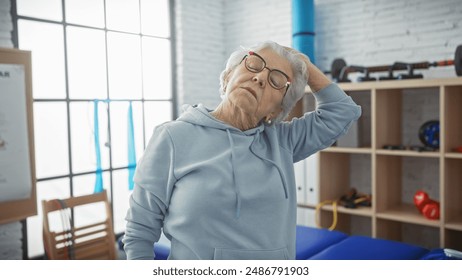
[258,78]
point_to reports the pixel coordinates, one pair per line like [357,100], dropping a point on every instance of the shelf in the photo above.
[401,84]
[406,153]
[360,211]
[409,214]
[453,155]
[392,114]
[454,225]
[309,206]
[348,150]
[398,84]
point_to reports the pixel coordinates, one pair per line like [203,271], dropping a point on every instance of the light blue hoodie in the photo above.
[222,193]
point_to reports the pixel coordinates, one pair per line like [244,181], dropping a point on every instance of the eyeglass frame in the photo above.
[269,71]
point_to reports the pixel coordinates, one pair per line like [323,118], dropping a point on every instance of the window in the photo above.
[94,62]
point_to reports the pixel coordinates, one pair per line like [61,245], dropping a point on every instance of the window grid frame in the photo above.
[172,100]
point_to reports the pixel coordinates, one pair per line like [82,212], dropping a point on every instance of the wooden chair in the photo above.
[88,235]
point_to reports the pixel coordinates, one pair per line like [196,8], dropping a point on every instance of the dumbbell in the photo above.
[340,70]
[428,207]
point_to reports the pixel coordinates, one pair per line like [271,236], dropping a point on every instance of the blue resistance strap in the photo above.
[99,175]
[131,148]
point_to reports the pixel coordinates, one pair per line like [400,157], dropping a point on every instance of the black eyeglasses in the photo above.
[276,78]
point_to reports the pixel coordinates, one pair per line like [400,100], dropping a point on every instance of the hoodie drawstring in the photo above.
[236,185]
[281,173]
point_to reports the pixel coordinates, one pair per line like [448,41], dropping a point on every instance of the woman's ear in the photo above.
[226,77]
[273,115]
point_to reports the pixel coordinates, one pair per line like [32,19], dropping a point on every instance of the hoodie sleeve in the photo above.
[334,114]
[154,181]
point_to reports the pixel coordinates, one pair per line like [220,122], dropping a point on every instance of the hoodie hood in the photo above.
[200,115]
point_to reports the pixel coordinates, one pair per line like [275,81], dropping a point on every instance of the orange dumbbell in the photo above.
[428,207]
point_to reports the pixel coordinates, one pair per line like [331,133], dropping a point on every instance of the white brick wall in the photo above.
[384,31]
[10,241]
[5,24]
[248,22]
[10,234]
[200,50]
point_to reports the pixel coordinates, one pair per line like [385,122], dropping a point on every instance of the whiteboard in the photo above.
[15,181]
[18,198]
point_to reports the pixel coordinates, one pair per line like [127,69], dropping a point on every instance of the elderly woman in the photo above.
[220,183]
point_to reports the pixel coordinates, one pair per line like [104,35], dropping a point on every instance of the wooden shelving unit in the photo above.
[395,174]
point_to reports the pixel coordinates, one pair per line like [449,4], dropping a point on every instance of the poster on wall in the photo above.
[15,170]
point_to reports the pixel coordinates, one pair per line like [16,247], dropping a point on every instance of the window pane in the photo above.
[157,71]
[120,199]
[85,12]
[119,132]
[46,190]
[124,55]
[155,18]
[82,136]
[86,63]
[46,9]
[51,144]
[156,113]
[85,184]
[46,42]
[123,15]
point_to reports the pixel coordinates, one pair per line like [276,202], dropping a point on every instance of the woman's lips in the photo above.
[251,91]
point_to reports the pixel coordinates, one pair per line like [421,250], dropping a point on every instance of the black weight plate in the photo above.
[429,134]
[336,68]
[458,60]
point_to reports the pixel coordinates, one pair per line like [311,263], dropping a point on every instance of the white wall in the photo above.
[249,22]
[10,234]
[5,24]
[381,32]
[200,46]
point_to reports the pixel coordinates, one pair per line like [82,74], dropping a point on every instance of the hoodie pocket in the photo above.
[244,254]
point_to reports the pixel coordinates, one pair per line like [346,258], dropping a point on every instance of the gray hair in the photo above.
[299,68]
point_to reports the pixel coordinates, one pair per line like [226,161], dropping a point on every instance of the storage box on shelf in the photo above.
[393,112]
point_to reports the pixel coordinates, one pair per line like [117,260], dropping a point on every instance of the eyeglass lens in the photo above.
[275,77]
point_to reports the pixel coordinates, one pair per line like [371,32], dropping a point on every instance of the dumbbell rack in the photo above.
[393,176]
